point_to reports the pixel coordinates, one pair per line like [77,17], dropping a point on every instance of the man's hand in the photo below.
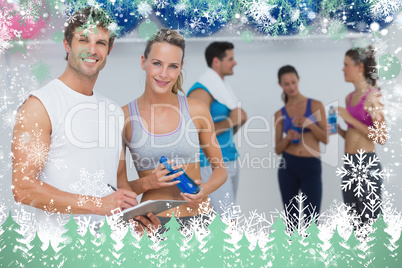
[122,199]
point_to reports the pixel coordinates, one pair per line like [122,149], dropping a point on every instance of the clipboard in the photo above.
[154,206]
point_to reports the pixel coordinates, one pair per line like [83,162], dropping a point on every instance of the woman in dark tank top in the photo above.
[299,128]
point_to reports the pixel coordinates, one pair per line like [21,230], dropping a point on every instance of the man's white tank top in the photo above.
[84,150]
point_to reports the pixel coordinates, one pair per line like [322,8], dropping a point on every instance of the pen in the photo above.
[114,189]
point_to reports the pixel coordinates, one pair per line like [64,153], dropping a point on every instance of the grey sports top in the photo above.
[146,148]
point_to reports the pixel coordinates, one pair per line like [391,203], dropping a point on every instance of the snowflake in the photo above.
[41,71]
[29,12]
[295,15]
[341,216]
[298,214]
[9,119]
[5,31]
[6,100]
[379,132]
[36,150]
[22,95]
[144,9]
[383,9]
[260,11]
[161,3]
[361,26]
[180,8]
[3,215]
[196,24]
[256,226]
[90,187]
[228,208]
[359,173]
[198,225]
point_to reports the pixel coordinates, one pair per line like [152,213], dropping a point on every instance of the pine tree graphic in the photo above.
[380,248]
[243,252]
[13,252]
[193,253]
[278,246]
[173,242]
[128,253]
[219,251]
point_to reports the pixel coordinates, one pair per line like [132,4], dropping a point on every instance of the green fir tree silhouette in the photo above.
[35,253]
[146,255]
[106,246]
[193,254]
[243,252]
[219,251]
[278,246]
[336,253]
[13,251]
[313,250]
[296,249]
[88,256]
[379,253]
[353,256]
[259,257]
[71,245]
[51,257]
[398,250]
[128,253]
[173,243]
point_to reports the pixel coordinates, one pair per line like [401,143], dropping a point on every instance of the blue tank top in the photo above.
[287,121]
[219,112]
[146,148]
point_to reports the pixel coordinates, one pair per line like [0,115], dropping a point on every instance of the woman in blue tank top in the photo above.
[163,123]
[299,127]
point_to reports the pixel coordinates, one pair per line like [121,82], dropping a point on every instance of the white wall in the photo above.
[319,63]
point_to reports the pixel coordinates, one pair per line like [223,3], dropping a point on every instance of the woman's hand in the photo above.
[292,135]
[159,178]
[302,122]
[344,113]
[195,200]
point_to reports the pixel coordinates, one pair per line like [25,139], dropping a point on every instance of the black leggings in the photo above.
[300,174]
[367,204]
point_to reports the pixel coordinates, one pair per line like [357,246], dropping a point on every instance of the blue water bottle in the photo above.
[298,129]
[186,184]
[332,120]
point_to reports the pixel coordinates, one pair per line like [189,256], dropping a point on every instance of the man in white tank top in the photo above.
[78,166]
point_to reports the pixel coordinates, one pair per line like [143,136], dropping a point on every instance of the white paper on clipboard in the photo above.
[154,206]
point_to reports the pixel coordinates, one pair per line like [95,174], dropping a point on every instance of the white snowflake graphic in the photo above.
[161,3]
[384,9]
[260,11]
[3,214]
[36,150]
[196,24]
[298,214]
[9,119]
[6,100]
[359,174]
[90,187]
[40,71]
[22,95]
[144,9]
[379,132]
